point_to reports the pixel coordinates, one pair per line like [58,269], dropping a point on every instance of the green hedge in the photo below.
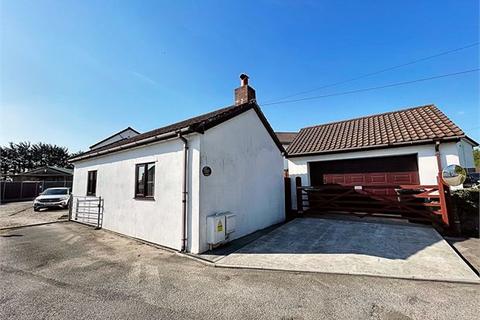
[465,203]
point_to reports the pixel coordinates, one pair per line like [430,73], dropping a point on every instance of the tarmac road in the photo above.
[70,271]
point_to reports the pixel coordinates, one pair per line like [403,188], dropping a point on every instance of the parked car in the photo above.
[52,198]
[473,179]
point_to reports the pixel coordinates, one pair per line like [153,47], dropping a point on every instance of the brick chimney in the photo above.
[244,93]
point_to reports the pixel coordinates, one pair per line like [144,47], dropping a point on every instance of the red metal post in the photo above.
[443,201]
[442,188]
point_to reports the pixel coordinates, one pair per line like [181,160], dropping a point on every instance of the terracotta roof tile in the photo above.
[413,125]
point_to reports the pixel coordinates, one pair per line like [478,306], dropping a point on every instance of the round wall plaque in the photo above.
[206,171]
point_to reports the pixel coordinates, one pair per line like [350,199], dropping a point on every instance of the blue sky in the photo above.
[74,72]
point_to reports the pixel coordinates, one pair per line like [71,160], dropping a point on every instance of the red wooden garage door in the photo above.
[374,178]
[366,172]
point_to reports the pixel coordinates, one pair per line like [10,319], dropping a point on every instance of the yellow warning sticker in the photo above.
[219,226]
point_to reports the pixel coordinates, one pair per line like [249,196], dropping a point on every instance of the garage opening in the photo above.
[398,170]
[380,186]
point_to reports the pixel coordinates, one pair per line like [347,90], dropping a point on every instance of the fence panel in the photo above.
[30,190]
[11,191]
[19,191]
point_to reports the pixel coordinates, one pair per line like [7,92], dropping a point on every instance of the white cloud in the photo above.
[144,78]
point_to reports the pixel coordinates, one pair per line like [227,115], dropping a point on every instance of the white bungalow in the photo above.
[160,186]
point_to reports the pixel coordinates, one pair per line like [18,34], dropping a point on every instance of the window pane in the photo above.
[150,180]
[94,182]
[140,180]
[91,183]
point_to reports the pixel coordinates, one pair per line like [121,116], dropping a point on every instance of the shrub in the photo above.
[465,204]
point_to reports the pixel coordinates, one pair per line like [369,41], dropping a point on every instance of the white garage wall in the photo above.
[246,179]
[427,161]
[465,153]
[157,221]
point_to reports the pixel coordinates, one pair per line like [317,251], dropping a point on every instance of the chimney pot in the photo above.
[243,80]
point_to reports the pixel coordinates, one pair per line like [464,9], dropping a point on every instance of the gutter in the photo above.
[184,191]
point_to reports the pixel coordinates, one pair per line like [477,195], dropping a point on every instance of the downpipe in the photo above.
[184,192]
[439,159]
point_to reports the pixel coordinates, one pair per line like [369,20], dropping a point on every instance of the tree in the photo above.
[476,157]
[74,154]
[24,156]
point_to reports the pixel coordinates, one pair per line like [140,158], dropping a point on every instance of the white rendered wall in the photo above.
[465,153]
[157,221]
[427,161]
[246,179]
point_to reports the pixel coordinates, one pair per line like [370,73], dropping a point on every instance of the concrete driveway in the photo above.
[351,247]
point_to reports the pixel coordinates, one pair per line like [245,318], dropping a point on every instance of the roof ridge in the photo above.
[372,115]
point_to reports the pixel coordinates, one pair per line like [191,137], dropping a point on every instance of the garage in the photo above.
[364,186]
[391,170]
[386,163]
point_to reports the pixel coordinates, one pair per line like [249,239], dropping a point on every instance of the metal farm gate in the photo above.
[87,210]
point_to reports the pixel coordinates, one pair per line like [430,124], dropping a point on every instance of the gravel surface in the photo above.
[70,271]
[16,214]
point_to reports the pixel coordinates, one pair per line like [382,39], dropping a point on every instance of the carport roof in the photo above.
[416,125]
[47,171]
